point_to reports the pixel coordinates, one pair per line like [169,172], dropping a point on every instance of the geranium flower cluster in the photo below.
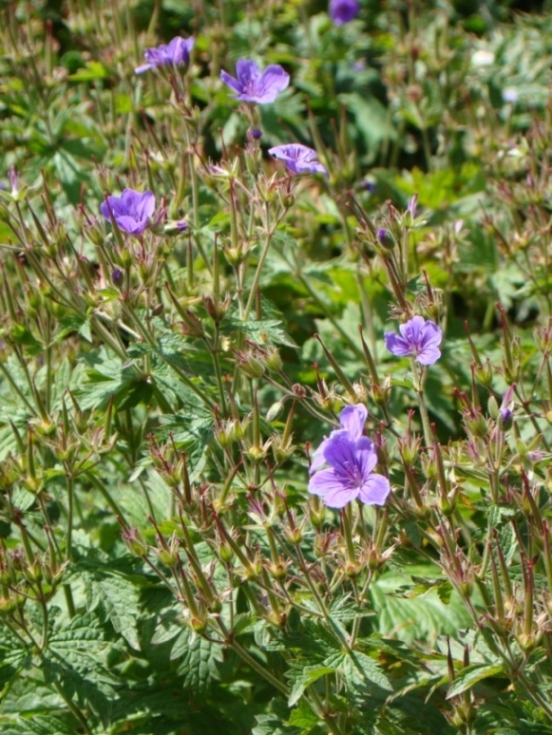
[351,457]
[132,211]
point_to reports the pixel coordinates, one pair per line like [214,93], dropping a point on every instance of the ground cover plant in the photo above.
[276,394]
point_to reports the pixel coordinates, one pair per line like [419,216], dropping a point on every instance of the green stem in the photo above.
[257,276]
[73,707]
[245,656]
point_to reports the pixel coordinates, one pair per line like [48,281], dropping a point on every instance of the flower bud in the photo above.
[274,411]
[169,557]
[446,507]
[273,360]
[385,239]
[353,570]
[278,571]
[175,228]
[135,542]
[256,453]
[466,589]
[295,536]
[478,426]
[226,435]
[382,392]
[492,407]
[505,419]
[251,366]
[226,554]
[199,624]
[252,571]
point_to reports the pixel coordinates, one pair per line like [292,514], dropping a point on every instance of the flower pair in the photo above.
[351,457]
[262,87]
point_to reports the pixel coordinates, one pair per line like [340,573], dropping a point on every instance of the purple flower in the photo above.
[352,420]
[343,11]
[506,410]
[253,86]
[116,276]
[131,211]
[418,338]
[350,475]
[176,53]
[299,159]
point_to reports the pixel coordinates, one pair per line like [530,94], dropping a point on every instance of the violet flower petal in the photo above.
[231,82]
[273,81]
[375,490]
[352,419]
[298,158]
[397,345]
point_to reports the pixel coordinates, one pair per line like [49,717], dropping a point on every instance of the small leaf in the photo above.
[303,678]
[471,675]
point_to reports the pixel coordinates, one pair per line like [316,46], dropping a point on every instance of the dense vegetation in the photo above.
[275,428]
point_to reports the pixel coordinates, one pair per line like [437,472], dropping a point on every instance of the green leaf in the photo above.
[13,658]
[301,678]
[362,672]
[303,717]
[260,331]
[410,616]
[275,721]
[110,590]
[198,665]
[471,675]
[38,725]
[94,70]
[73,660]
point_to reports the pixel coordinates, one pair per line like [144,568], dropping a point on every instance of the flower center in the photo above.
[354,475]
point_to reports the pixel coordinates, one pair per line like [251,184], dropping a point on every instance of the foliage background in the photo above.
[112,409]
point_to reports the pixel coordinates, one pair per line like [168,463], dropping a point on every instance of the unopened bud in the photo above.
[478,426]
[505,419]
[295,536]
[198,624]
[169,557]
[226,435]
[492,407]
[273,360]
[175,228]
[466,589]
[274,411]
[226,554]
[251,366]
[385,239]
[353,570]
[252,571]
[135,542]
[278,571]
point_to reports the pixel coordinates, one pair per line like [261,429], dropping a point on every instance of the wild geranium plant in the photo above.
[274,446]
